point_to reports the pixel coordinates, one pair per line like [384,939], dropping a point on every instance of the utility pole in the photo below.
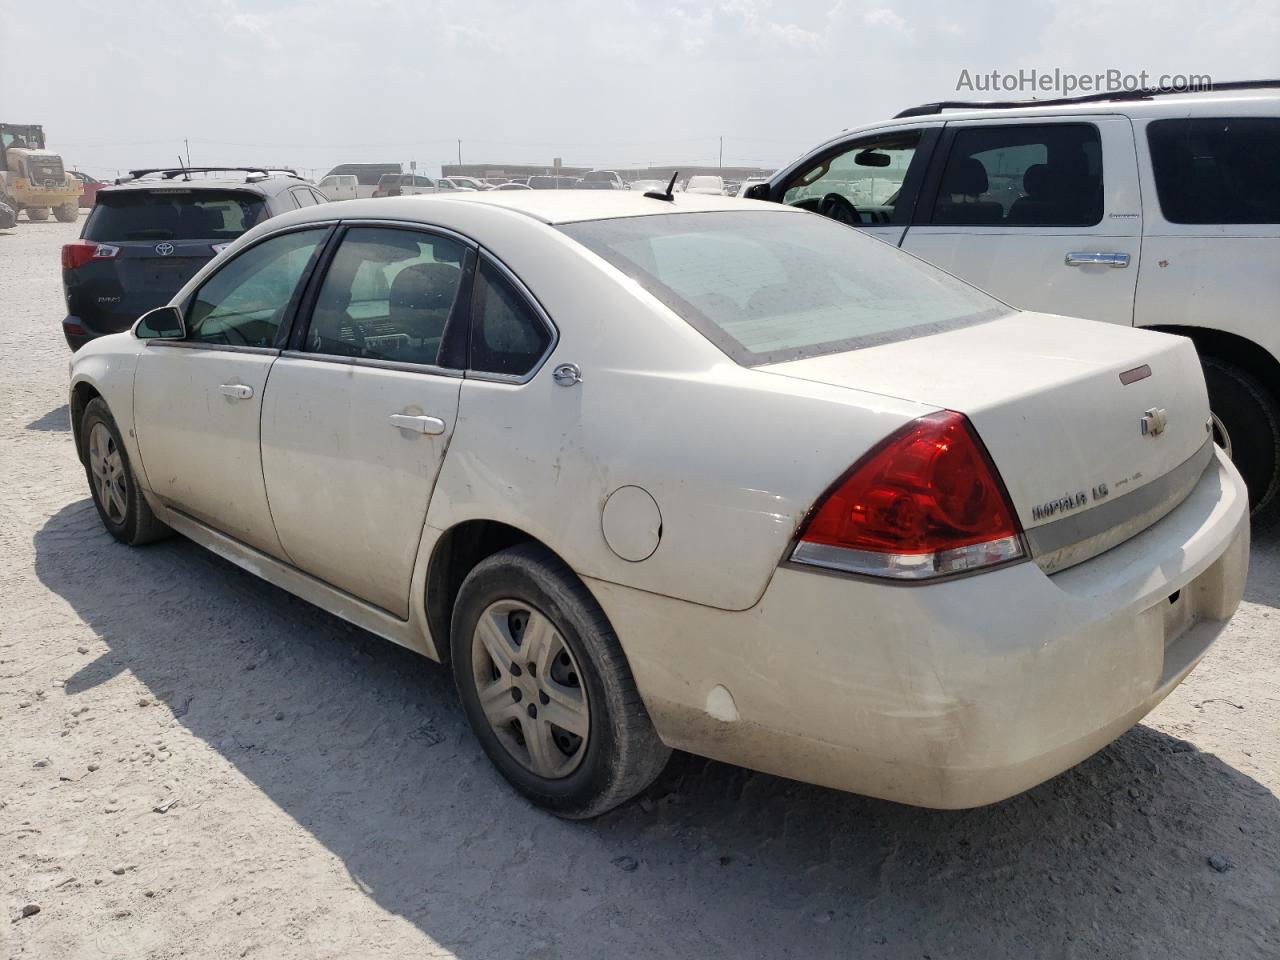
[459,153]
[187,144]
[722,154]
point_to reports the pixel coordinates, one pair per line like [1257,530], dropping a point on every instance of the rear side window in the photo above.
[1034,175]
[769,287]
[174,214]
[507,336]
[1217,169]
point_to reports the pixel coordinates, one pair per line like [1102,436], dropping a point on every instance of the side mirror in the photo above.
[162,323]
[757,191]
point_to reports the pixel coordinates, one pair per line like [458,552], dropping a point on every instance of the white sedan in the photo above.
[693,473]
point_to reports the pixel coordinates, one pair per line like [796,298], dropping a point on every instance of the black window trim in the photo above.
[910,192]
[457,326]
[291,309]
[923,216]
[531,301]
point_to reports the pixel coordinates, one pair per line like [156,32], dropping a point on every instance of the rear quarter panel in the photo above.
[106,365]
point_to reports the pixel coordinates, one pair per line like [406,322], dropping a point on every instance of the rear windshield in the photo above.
[174,214]
[1217,169]
[768,287]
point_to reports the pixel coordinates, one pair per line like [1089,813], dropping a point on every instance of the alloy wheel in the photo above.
[106,467]
[530,688]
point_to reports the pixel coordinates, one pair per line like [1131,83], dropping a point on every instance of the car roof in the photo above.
[548,206]
[267,186]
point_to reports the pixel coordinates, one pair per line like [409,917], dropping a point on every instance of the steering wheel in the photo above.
[838,207]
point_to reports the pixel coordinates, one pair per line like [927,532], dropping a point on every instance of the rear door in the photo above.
[198,401]
[360,410]
[1045,213]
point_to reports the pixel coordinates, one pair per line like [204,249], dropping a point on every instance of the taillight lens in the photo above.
[924,503]
[80,252]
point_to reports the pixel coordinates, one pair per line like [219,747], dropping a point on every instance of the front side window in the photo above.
[1217,169]
[507,336]
[770,287]
[1022,175]
[388,295]
[861,185]
[244,303]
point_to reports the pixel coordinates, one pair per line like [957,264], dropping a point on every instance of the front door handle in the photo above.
[428,425]
[1103,259]
[237,391]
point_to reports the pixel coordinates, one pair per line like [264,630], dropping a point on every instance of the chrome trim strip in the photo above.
[424,368]
[1074,539]
[201,345]
[909,566]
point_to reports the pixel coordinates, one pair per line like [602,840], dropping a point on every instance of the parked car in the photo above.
[512,185]
[146,237]
[601,180]
[642,186]
[345,186]
[710,185]
[367,175]
[1153,210]
[455,183]
[468,183]
[8,216]
[552,183]
[803,503]
[747,184]
[89,188]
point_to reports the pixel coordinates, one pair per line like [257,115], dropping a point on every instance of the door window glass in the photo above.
[860,185]
[507,337]
[302,197]
[1032,175]
[388,295]
[244,303]
[1217,169]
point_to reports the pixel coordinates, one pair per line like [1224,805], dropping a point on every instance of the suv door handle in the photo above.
[237,391]
[1105,259]
[428,425]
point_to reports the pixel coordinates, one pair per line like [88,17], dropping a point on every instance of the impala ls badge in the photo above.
[165,249]
[1154,421]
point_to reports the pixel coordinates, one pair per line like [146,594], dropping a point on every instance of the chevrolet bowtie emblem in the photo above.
[1154,421]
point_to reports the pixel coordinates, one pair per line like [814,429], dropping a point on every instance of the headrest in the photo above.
[424,286]
[967,177]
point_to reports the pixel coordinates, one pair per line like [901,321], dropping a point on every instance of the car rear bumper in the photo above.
[953,694]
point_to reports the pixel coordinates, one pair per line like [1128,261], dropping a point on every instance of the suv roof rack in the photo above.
[169,173]
[1142,93]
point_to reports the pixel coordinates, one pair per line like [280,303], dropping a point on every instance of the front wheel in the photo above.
[68,212]
[546,687]
[123,509]
[1246,424]
[37,213]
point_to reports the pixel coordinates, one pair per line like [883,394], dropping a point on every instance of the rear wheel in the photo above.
[546,687]
[37,213]
[1246,424]
[123,509]
[68,212]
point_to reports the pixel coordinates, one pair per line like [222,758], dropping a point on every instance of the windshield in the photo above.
[767,287]
[174,214]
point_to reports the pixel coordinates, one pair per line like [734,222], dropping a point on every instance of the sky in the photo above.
[315,83]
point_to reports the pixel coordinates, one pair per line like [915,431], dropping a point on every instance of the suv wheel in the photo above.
[123,509]
[68,212]
[546,687]
[1246,423]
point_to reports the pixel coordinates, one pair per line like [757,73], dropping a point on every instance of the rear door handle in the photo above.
[237,391]
[1083,259]
[428,425]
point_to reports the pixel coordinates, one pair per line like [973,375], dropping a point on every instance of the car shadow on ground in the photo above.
[374,759]
[55,421]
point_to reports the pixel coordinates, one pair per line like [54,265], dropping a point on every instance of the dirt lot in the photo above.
[322,796]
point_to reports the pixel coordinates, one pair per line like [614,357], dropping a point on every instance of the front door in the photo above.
[358,416]
[1044,214]
[197,401]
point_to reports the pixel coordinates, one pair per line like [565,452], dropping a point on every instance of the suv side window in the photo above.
[1217,169]
[244,303]
[1033,175]
[388,295]
[302,197]
[866,177]
[507,336]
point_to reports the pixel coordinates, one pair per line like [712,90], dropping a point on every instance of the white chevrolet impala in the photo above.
[687,472]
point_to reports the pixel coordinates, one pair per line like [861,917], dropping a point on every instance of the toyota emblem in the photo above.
[165,249]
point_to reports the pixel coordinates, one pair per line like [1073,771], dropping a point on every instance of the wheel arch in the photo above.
[81,393]
[1233,349]
[454,555]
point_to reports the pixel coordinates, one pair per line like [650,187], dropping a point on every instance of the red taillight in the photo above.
[80,252]
[926,502]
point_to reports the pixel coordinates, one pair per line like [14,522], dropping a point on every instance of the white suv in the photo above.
[1155,209]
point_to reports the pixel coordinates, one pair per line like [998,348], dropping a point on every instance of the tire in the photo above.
[1247,424]
[611,758]
[67,213]
[37,213]
[123,509]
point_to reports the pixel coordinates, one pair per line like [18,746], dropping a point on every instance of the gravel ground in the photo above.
[193,763]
